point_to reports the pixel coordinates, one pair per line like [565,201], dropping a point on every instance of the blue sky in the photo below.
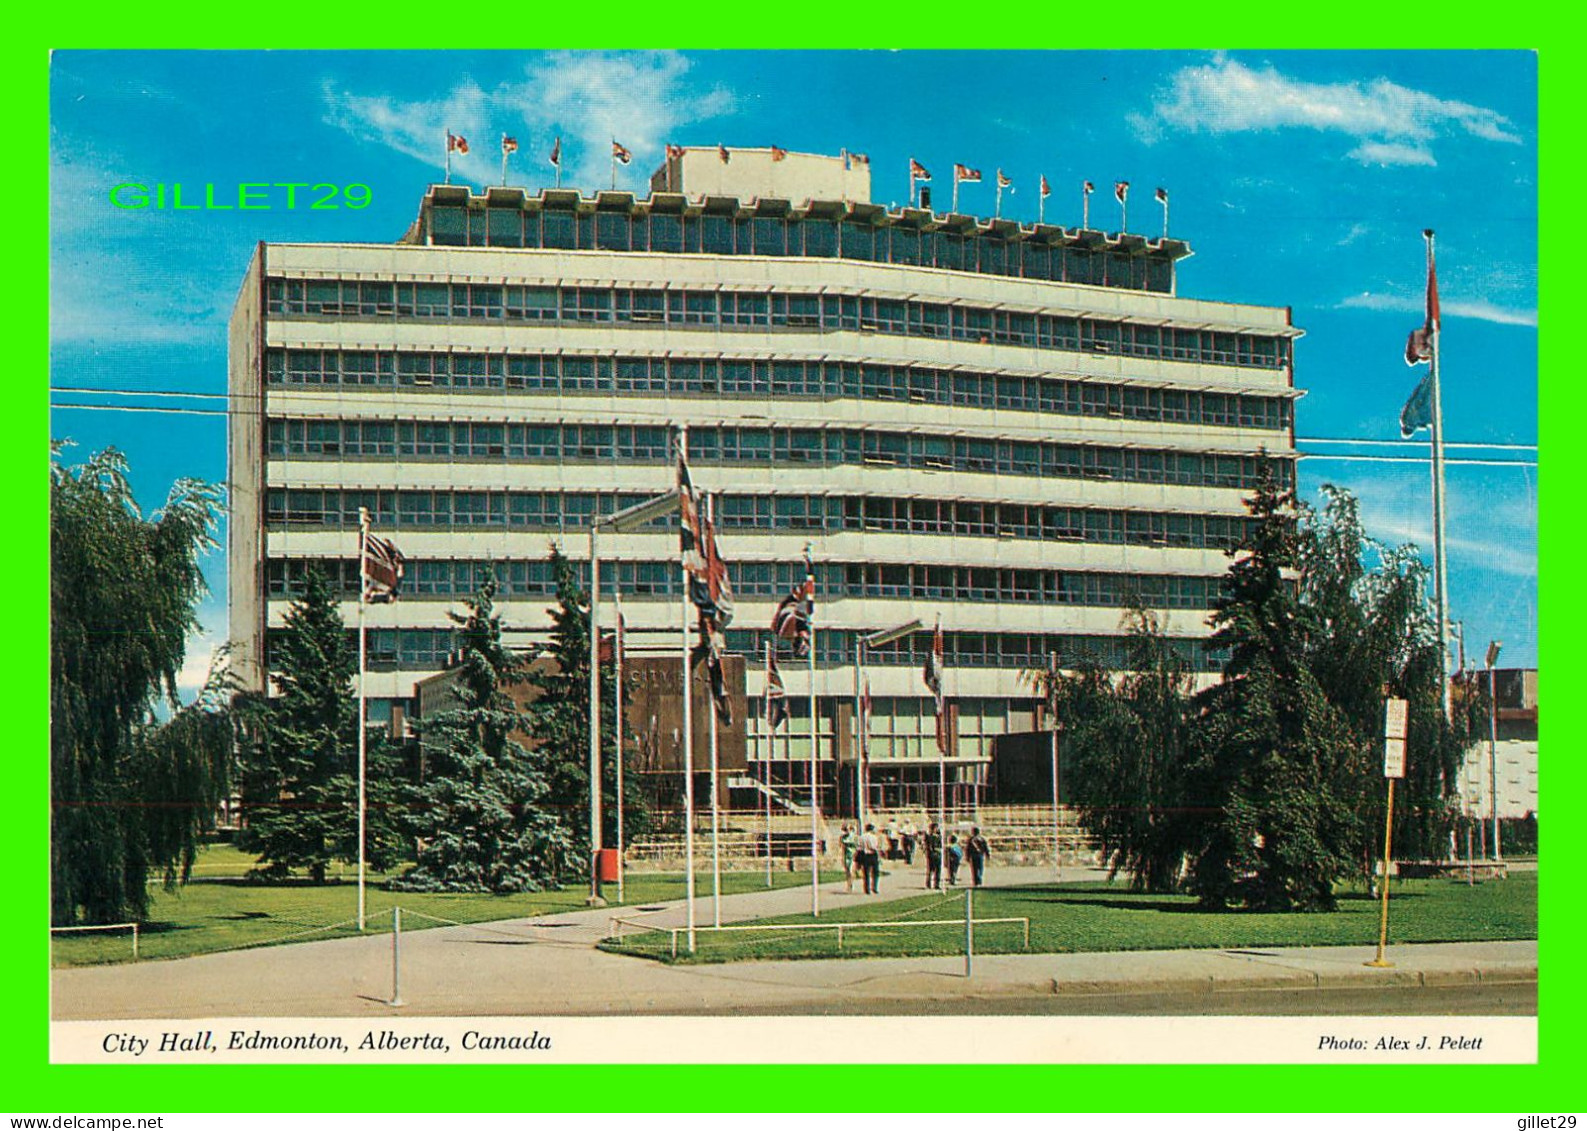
[1299,178]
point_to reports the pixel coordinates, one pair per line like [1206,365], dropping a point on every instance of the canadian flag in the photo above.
[966,175]
[456,143]
[509,144]
[621,154]
[1121,189]
[556,153]
[674,152]
[1046,189]
[917,171]
[778,154]
[1002,181]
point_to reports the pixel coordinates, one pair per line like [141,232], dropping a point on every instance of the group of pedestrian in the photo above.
[862,852]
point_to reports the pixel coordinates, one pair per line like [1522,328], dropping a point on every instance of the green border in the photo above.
[34,1085]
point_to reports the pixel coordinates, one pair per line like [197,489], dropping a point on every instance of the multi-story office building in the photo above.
[1019,429]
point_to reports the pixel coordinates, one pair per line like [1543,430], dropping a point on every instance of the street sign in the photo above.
[1394,757]
[1394,712]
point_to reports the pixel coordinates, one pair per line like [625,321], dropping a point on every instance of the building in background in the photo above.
[1514,779]
[1022,430]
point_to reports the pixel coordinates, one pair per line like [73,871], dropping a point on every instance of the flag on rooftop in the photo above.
[620,153]
[1046,189]
[917,171]
[455,143]
[1003,181]
[674,152]
[722,153]
[1121,189]
[778,154]
[966,175]
[1162,195]
[1088,188]
[382,569]
[508,144]
[556,153]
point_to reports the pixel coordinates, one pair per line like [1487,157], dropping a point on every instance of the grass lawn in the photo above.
[219,910]
[1098,917]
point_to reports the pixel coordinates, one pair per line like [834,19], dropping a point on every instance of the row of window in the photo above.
[432,647]
[757,310]
[558,512]
[817,379]
[518,579]
[803,236]
[729,444]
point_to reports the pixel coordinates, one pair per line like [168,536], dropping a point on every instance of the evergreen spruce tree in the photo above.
[483,814]
[123,589]
[1271,751]
[300,785]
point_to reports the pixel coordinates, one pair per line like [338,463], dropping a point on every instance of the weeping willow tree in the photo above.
[127,800]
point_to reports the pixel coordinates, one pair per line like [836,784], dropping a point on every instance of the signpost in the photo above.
[1394,720]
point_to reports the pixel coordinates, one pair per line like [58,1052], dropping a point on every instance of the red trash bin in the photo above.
[606,865]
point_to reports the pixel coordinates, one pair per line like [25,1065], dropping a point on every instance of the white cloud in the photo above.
[1392,124]
[418,129]
[1391,153]
[1479,309]
[585,98]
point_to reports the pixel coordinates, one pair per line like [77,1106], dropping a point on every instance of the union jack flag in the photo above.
[792,619]
[776,694]
[382,568]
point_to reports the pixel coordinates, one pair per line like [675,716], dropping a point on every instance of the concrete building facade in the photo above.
[1020,429]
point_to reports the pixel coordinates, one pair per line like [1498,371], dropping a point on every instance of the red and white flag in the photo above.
[508,145]
[674,152]
[1121,189]
[1162,196]
[861,159]
[1046,189]
[556,153]
[721,151]
[1419,347]
[1003,181]
[917,171]
[933,674]
[620,154]
[966,175]
[455,143]
[1088,188]
[382,568]
[778,154]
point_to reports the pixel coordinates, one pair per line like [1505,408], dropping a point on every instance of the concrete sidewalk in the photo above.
[549,967]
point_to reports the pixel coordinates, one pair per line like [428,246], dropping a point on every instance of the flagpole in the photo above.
[815,804]
[363,549]
[1440,565]
[1085,209]
[614,164]
[1052,702]
[1041,206]
[859,740]
[771,737]
[997,204]
[955,191]
[716,787]
[447,181]
[942,763]
[595,714]
[617,648]
[504,165]
[688,726]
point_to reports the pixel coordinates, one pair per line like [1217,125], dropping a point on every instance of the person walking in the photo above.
[910,835]
[870,859]
[932,847]
[850,843]
[955,858]
[977,850]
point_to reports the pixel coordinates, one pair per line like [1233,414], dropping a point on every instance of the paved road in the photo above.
[549,967]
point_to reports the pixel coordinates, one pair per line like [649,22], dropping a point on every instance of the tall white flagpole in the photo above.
[771,737]
[595,713]
[942,760]
[688,726]
[1052,701]
[716,787]
[1440,565]
[363,549]
[815,784]
[617,657]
